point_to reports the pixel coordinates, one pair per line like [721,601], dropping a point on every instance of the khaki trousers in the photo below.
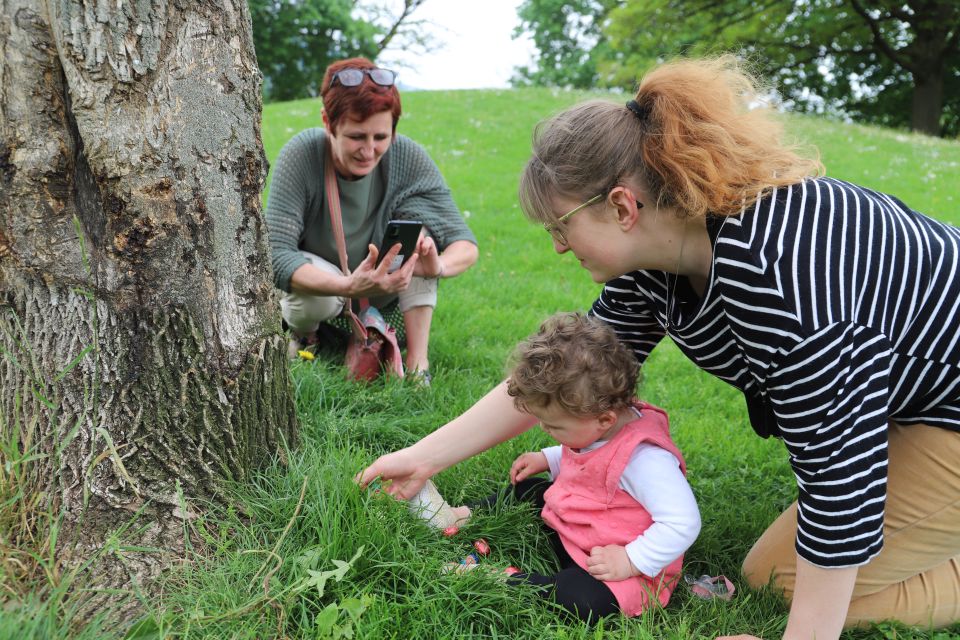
[916,578]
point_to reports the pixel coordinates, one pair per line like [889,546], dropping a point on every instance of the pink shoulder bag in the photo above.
[373,346]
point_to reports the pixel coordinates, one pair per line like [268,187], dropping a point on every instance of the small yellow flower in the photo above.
[306,355]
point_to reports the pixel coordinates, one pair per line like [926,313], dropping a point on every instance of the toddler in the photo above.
[617,506]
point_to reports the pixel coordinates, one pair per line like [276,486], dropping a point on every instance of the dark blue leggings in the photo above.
[573,588]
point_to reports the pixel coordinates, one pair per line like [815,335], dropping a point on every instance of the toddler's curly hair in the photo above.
[575,362]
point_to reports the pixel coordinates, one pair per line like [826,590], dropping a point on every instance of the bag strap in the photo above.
[336,220]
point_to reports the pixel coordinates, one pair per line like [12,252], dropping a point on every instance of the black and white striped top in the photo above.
[833,308]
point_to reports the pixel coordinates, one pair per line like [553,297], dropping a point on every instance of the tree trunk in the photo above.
[927,104]
[141,351]
[932,45]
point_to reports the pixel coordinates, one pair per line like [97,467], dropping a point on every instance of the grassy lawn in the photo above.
[267,568]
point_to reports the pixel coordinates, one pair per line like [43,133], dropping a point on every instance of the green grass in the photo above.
[255,569]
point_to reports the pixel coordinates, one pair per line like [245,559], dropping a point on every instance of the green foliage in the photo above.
[569,41]
[297,39]
[825,55]
[331,624]
[673,28]
[892,63]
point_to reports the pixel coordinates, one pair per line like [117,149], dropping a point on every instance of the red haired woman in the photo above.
[380,176]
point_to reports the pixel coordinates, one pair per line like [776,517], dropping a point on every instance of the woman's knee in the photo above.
[303,313]
[422,292]
[761,570]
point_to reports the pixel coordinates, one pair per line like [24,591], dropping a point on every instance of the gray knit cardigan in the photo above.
[414,190]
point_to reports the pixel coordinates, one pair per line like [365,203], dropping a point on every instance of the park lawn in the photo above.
[266,566]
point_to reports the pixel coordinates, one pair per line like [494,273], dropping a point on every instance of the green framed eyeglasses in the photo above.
[556,230]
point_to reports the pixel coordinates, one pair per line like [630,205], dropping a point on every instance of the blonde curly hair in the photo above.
[576,363]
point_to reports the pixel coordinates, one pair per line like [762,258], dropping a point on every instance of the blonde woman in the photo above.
[834,308]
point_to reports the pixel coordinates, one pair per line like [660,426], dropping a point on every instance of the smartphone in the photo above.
[403,232]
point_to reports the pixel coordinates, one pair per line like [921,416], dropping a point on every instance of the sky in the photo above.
[478,51]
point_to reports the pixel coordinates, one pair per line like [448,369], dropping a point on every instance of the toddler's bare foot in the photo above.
[462,514]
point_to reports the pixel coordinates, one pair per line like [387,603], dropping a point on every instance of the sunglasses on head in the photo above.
[352,77]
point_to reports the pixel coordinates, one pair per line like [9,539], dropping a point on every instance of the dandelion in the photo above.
[306,355]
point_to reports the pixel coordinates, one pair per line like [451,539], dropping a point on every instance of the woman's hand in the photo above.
[492,420]
[430,264]
[610,563]
[369,279]
[400,473]
[528,464]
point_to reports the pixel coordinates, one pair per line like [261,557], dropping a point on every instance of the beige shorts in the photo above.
[916,578]
[304,312]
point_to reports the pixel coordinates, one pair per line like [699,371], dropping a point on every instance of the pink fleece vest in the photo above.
[587,508]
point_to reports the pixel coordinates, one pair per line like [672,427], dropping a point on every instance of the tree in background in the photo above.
[569,39]
[142,366]
[297,39]
[890,62]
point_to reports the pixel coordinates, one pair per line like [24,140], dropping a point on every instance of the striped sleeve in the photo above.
[622,307]
[832,415]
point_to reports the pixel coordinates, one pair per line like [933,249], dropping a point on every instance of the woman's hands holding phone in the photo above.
[370,279]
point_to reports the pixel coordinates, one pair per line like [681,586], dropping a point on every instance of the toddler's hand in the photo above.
[528,464]
[610,563]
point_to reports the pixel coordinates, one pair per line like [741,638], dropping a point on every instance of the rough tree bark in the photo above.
[142,355]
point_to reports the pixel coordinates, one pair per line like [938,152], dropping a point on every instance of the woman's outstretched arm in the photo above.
[492,420]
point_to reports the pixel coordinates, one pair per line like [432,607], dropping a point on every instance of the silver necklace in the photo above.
[672,291]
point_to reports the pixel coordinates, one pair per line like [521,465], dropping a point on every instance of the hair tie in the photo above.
[637,110]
